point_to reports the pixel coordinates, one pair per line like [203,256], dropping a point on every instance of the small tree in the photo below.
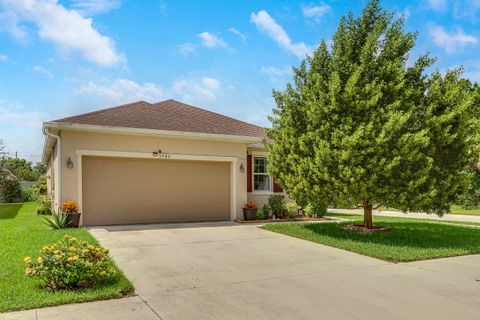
[362,128]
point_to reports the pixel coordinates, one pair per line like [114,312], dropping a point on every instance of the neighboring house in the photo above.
[161,162]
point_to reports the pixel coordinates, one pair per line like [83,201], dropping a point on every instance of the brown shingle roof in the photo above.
[166,115]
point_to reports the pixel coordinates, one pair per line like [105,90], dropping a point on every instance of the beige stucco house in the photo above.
[161,162]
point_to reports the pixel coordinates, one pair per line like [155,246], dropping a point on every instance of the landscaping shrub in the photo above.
[28,194]
[277,204]
[260,215]
[58,220]
[292,209]
[10,190]
[315,208]
[70,264]
[45,205]
[266,211]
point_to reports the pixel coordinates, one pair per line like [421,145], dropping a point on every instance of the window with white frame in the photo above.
[261,179]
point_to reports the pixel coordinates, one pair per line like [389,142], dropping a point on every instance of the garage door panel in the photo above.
[121,191]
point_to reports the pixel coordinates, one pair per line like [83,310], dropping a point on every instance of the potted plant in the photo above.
[250,211]
[70,208]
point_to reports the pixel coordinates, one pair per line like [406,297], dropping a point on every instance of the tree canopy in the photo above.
[362,125]
[23,169]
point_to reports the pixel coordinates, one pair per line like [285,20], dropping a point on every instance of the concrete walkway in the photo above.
[228,271]
[413,215]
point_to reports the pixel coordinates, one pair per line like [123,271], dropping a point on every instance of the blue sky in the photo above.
[64,57]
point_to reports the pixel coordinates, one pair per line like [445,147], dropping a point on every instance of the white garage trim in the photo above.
[160,157]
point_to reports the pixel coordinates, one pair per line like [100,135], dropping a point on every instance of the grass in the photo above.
[409,239]
[454,209]
[459,210]
[22,233]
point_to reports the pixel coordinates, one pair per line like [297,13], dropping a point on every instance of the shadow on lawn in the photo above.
[9,210]
[414,234]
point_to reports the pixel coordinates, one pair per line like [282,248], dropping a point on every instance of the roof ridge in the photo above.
[105,110]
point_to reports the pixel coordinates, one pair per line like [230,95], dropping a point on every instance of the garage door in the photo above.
[124,191]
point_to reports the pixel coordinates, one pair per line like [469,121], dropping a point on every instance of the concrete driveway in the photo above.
[227,271]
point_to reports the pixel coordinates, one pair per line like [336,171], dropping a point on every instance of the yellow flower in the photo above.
[39,260]
[74,258]
[28,271]
[27,259]
[84,250]
[46,248]
[56,251]
[34,271]
[58,257]
[72,249]
[103,273]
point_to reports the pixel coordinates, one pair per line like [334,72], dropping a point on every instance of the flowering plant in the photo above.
[70,264]
[69,207]
[250,205]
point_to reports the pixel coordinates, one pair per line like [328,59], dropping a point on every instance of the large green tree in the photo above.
[363,126]
[23,169]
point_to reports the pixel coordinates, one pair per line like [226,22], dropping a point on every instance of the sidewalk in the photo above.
[132,308]
[413,215]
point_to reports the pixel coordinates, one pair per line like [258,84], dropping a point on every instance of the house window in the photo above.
[261,180]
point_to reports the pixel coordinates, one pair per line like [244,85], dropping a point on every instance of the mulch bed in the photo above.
[361,228]
[282,220]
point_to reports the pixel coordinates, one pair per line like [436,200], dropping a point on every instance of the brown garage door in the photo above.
[123,191]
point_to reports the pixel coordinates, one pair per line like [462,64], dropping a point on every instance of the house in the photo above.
[160,162]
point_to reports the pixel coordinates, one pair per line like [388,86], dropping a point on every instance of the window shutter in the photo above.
[249,173]
[276,187]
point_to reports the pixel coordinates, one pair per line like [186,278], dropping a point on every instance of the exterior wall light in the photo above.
[242,168]
[69,163]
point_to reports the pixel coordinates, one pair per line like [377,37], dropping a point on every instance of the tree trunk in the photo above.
[367,215]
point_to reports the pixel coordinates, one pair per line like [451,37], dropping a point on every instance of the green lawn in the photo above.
[409,239]
[22,234]
[454,209]
[459,210]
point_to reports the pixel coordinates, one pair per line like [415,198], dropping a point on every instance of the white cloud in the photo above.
[67,29]
[238,33]
[451,42]
[3,57]
[265,23]
[276,74]
[438,5]
[9,23]
[44,71]
[186,48]
[210,40]
[315,12]
[121,91]
[466,9]
[192,90]
[93,7]
[20,130]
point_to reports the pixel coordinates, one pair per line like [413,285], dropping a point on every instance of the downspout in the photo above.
[58,176]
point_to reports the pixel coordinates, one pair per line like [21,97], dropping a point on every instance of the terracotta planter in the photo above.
[73,219]
[250,213]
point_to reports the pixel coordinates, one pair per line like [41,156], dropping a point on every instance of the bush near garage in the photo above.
[70,264]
